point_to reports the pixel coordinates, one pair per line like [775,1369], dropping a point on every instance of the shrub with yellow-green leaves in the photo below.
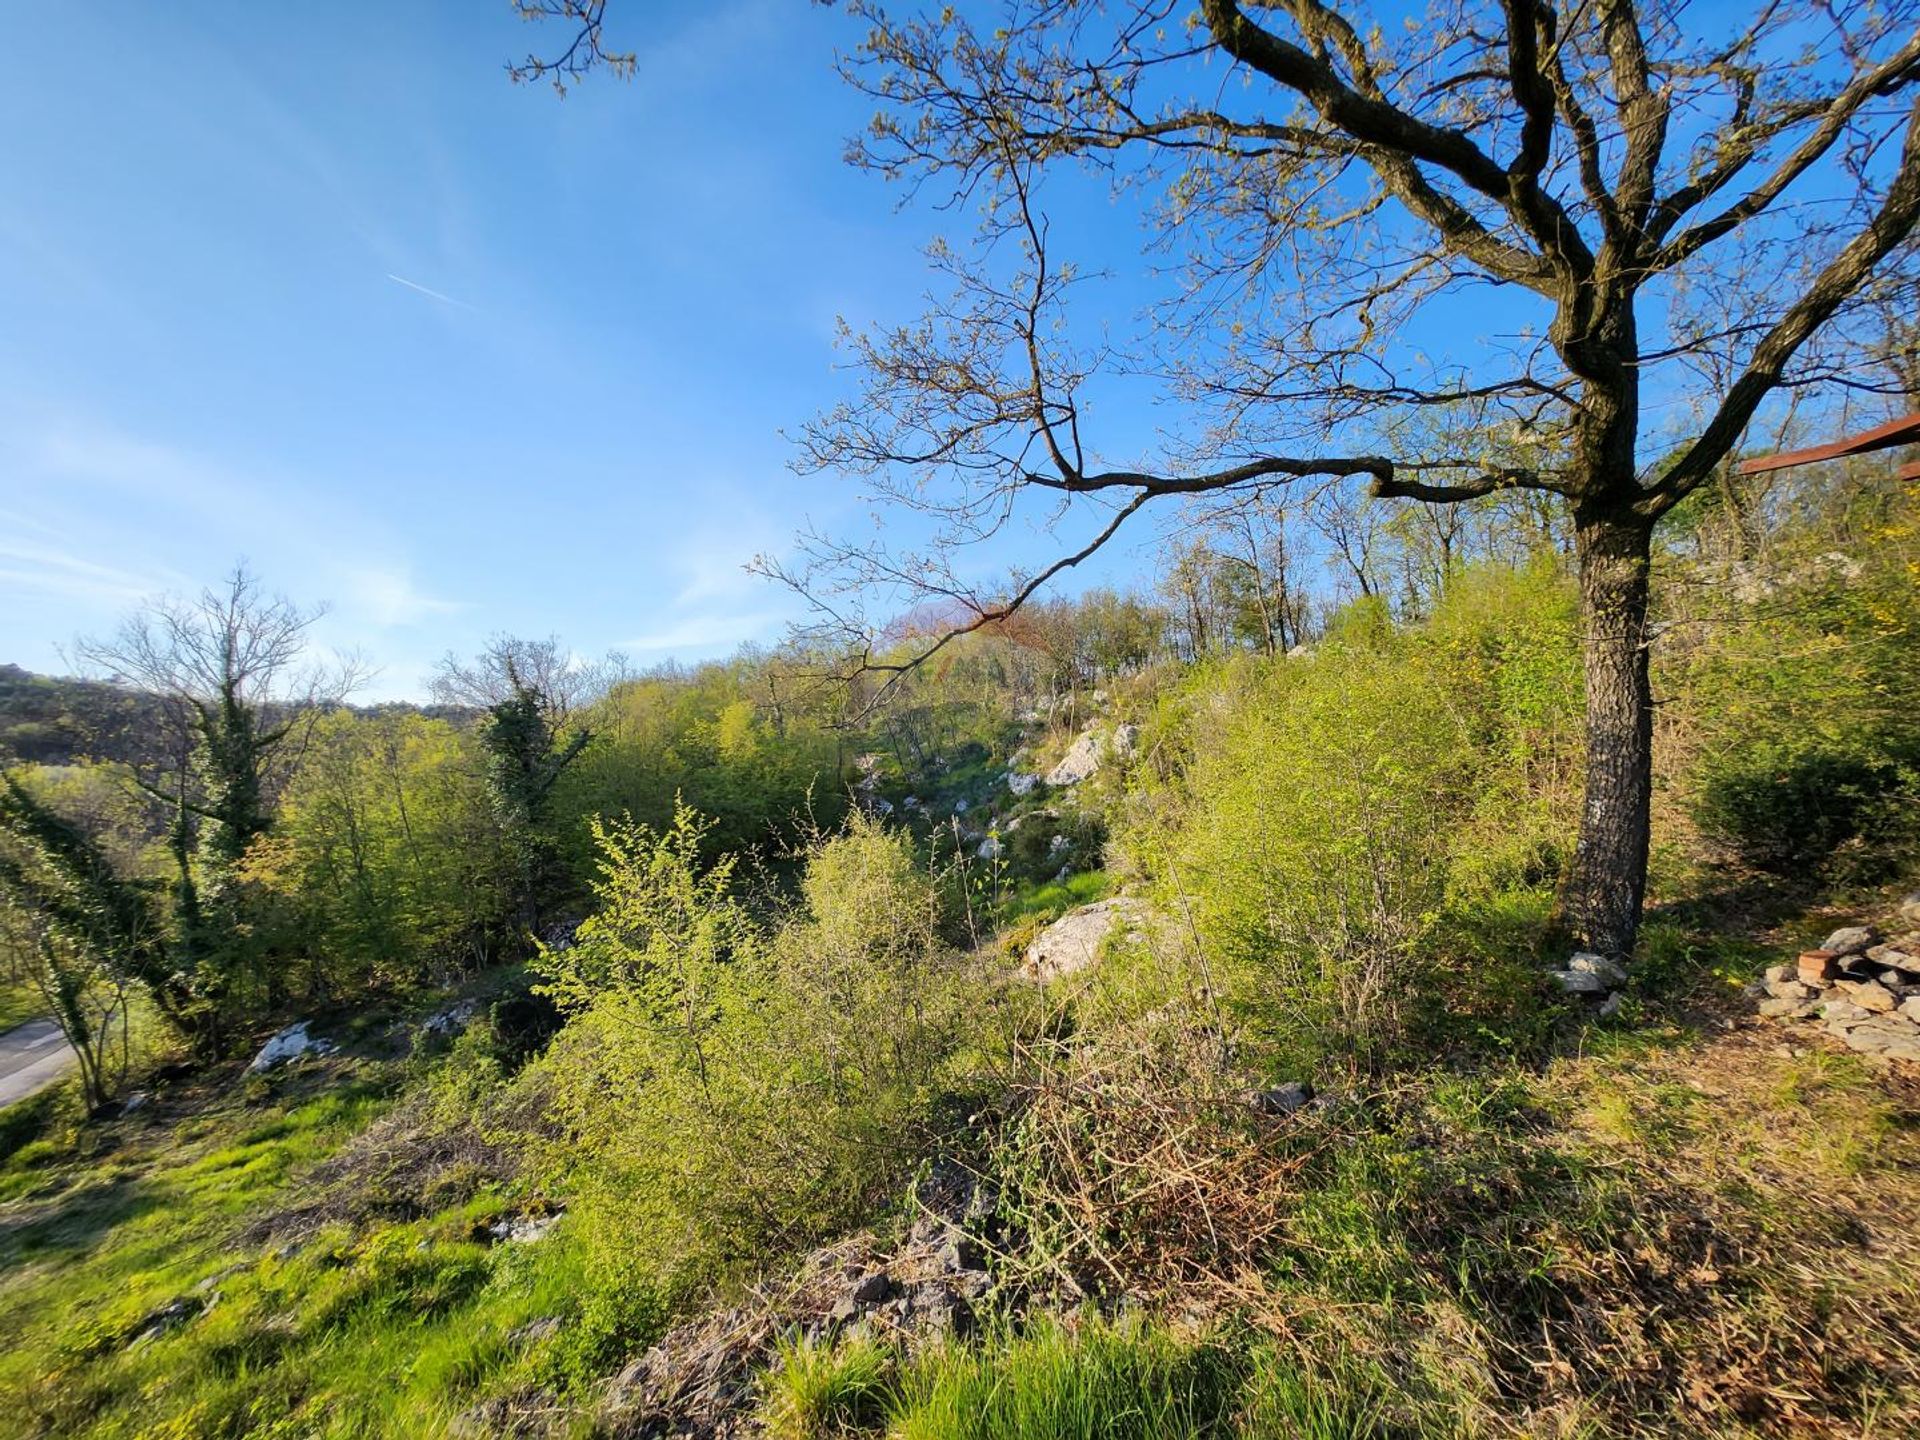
[1350,816]
[727,1088]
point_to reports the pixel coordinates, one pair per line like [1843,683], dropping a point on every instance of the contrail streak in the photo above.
[430,294]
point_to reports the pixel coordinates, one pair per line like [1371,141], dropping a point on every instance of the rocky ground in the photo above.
[1859,987]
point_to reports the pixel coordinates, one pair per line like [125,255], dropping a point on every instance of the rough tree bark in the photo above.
[1603,890]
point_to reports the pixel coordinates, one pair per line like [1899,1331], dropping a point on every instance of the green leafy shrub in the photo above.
[726,1088]
[1345,817]
[1795,723]
[1785,806]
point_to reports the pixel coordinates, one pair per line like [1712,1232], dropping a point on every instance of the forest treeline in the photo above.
[209,829]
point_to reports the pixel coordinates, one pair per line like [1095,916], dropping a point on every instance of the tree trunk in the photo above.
[1604,889]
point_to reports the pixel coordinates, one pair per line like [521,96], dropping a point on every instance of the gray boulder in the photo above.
[1893,1038]
[1843,1014]
[1081,761]
[1282,1099]
[1850,940]
[447,1023]
[1588,963]
[1580,982]
[1872,995]
[523,1229]
[961,1252]
[1072,942]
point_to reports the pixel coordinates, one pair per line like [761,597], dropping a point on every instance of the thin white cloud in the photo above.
[429,293]
[48,570]
[702,632]
[388,598]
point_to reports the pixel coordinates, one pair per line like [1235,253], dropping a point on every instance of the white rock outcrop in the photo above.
[1081,760]
[290,1044]
[1073,942]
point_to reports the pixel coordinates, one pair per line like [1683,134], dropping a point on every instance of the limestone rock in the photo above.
[1894,957]
[523,1229]
[1849,941]
[1872,995]
[167,1319]
[1019,785]
[1775,973]
[1081,760]
[1282,1099]
[290,1044]
[535,1331]
[446,1023]
[1073,941]
[1580,982]
[1895,1039]
[1910,908]
[1789,990]
[1910,1008]
[1844,1014]
[1785,1009]
[961,1252]
[1588,963]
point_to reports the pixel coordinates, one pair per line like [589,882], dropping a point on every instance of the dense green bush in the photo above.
[387,860]
[1344,815]
[726,1088]
[1790,807]
[1794,731]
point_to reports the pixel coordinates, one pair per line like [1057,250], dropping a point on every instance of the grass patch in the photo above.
[1045,900]
[1075,1378]
[20,1001]
[145,1292]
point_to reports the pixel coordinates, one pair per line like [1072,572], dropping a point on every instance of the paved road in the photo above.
[32,1056]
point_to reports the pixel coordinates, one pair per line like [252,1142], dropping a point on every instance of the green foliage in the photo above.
[816,1389]
[1796,691]
[1343,815]
[526,754]
[87,934]
[1094,1382]
[1789,806]
[723,738]
[726,1089]
[1082,1378]
[387,853]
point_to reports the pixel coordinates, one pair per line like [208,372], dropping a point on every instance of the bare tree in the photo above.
[234,663]
[1652,203]
[560,681]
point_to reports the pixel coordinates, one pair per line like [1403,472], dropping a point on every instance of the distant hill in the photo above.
[61,720]
[58,720]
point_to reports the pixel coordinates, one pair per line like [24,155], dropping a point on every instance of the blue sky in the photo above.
[318,286]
